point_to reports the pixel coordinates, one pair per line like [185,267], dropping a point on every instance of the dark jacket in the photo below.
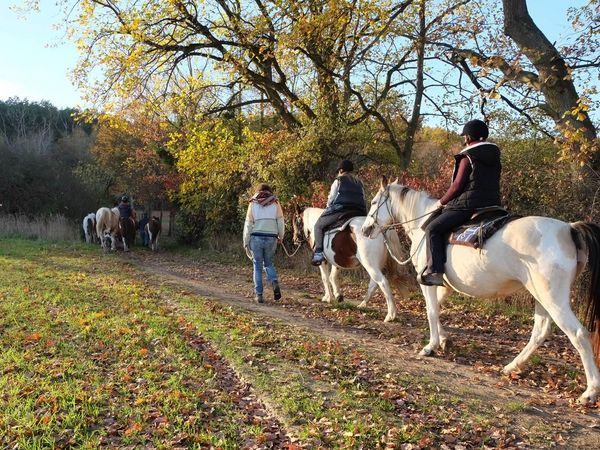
[483,186]
[125,210]
[350,196]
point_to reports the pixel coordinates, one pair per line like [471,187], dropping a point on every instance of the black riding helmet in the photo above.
[345,165]
[477,129]
[125,199]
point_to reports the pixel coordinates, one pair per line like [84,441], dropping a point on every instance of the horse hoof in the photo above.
[426,352]
[362,305]
[508,369]
[339,298]
[389,318]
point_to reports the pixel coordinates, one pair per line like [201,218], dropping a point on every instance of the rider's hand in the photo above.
[439,205]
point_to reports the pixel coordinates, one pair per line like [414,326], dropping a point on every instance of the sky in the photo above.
[36,58]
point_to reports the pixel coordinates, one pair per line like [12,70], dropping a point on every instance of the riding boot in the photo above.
[318,259]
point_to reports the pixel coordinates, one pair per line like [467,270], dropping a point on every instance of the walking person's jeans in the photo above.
[263,249]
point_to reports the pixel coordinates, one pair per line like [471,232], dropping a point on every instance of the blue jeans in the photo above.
[263,249]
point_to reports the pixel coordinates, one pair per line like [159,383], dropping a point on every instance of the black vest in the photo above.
[483,186]
[350,195]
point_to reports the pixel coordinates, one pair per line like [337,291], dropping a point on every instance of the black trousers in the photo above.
[326,220]
[437,233]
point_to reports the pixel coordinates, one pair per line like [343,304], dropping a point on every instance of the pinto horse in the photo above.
[89,228]
[127,228]
[348,249]
[107,224]
[541,254]
[153,228]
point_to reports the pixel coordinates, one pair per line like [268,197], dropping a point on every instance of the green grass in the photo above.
[94,353]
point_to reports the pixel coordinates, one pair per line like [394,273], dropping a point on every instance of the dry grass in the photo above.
[51,228]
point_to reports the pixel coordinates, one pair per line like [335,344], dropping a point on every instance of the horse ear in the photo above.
[384,182]
[395,181]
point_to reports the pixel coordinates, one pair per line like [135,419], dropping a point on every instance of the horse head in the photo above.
[298,226]
[380,210]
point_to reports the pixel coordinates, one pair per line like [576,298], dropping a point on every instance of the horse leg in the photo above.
[580,338]
[541,330]
[383,283]
[334,280]
[369,294]
[553,293]
[442,294]
[325,269]
[433,318]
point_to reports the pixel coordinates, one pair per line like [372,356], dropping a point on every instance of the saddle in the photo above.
[482,225]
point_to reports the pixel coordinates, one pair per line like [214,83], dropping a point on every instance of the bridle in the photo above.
[395,226]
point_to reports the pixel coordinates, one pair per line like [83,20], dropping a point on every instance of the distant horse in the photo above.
[127,228]
[153,228]
[89,228]
[107,224]
[348,249]
[541,254]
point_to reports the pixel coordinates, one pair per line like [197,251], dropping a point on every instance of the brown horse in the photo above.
[153,228]
[127,228]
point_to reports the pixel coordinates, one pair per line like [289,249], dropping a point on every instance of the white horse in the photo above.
[107,225]
[89,228]
[349,249]
[541,254]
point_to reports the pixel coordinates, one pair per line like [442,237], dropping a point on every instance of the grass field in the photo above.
[95,354]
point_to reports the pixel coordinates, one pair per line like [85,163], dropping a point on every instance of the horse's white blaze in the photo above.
[536,253]
[371,254]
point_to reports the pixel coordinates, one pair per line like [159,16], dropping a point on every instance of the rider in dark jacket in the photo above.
[475,184]
[125,209]
[346,199]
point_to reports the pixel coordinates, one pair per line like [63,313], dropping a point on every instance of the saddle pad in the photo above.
[474,235]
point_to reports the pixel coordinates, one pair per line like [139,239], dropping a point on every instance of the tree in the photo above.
[529,73]
[330,66]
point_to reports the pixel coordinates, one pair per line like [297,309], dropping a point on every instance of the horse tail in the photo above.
[586,236]
[397,276]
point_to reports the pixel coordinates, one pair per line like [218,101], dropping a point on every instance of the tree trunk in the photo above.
[556,84]
[413,124]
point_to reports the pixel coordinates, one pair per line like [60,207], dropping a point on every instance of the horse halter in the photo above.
[380,203]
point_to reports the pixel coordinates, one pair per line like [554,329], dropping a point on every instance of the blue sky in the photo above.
[35,57]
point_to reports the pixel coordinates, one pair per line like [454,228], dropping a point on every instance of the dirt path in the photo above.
[472,369]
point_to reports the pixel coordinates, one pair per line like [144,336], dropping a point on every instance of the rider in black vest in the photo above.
[346,200]
[475,184]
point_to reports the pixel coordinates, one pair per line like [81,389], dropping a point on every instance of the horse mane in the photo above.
[408,203]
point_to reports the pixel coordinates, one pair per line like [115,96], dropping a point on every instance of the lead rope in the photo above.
[294,252]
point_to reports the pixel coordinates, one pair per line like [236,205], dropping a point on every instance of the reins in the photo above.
[409,259]
[395,226]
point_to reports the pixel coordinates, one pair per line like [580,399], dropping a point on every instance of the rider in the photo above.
[346,199]
[125,209]
[475,184]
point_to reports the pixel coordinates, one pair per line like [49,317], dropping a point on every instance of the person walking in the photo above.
[264,228]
